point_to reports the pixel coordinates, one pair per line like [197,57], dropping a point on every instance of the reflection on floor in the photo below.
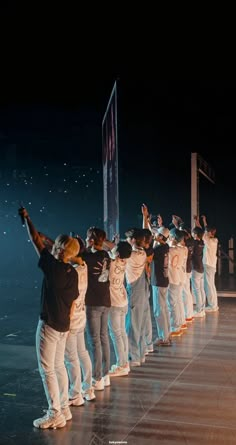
[184,394]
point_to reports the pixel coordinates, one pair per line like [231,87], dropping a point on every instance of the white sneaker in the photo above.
[49,421]
[118,371]
[126,366]
[78,401]
[113,367]
[98,385]
[106,380]
[66,413]
[134,364]
[88,394]
[211,309]
[199,314]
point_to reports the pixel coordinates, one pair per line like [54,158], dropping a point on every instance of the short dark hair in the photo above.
[177,234]
[98,235]
[210,228]
[198,231]
[147,235]
[124,249]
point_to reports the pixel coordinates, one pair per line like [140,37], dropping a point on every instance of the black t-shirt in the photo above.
[198,256]
[59,289]
[159,266]
[98,290]
[189,243]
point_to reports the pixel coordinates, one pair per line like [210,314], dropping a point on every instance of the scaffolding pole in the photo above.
[194,187]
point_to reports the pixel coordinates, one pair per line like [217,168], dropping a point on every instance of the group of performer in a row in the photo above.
[96,290]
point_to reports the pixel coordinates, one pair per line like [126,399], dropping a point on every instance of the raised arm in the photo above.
[33,233]
[204,220]
[146,220]
[196,221]
[108,245]
[176,220]
[48,242]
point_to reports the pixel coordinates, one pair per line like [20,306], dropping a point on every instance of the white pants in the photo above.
[175,304]
[210,288]
[197,280]
[76,356]
[116,323]
[187,297]
[50,349]
[161,312]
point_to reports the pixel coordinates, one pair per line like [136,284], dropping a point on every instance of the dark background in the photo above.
[51,153]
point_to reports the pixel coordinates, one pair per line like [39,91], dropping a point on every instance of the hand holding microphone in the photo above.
[23,214]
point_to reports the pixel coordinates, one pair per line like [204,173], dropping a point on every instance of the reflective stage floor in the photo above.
[182,395]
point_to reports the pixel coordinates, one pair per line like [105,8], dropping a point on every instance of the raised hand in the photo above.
[22,212]
[144,210]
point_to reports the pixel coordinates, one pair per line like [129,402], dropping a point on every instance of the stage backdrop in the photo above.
[110,167]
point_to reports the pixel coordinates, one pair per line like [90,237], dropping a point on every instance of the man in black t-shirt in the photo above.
[187,293]
[59,290]
[98,303]
[197,278]
[160,282]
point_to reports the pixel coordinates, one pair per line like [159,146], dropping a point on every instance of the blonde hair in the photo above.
[69,245]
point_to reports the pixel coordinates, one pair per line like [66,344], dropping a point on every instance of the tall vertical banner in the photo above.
[110,167]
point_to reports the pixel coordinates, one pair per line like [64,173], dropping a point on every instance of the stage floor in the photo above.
[184,394]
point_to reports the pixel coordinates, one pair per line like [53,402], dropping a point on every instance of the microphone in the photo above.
[21,216]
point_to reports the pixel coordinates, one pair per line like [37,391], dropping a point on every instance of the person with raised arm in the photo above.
[197,277]
[59,290]
[136,286]
[160,283]
[209,263]
[98,303]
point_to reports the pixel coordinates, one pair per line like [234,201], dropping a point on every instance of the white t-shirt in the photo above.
[135,264]
[116,277]
[183,254]
[174,264]
[210,250]
[78,320]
